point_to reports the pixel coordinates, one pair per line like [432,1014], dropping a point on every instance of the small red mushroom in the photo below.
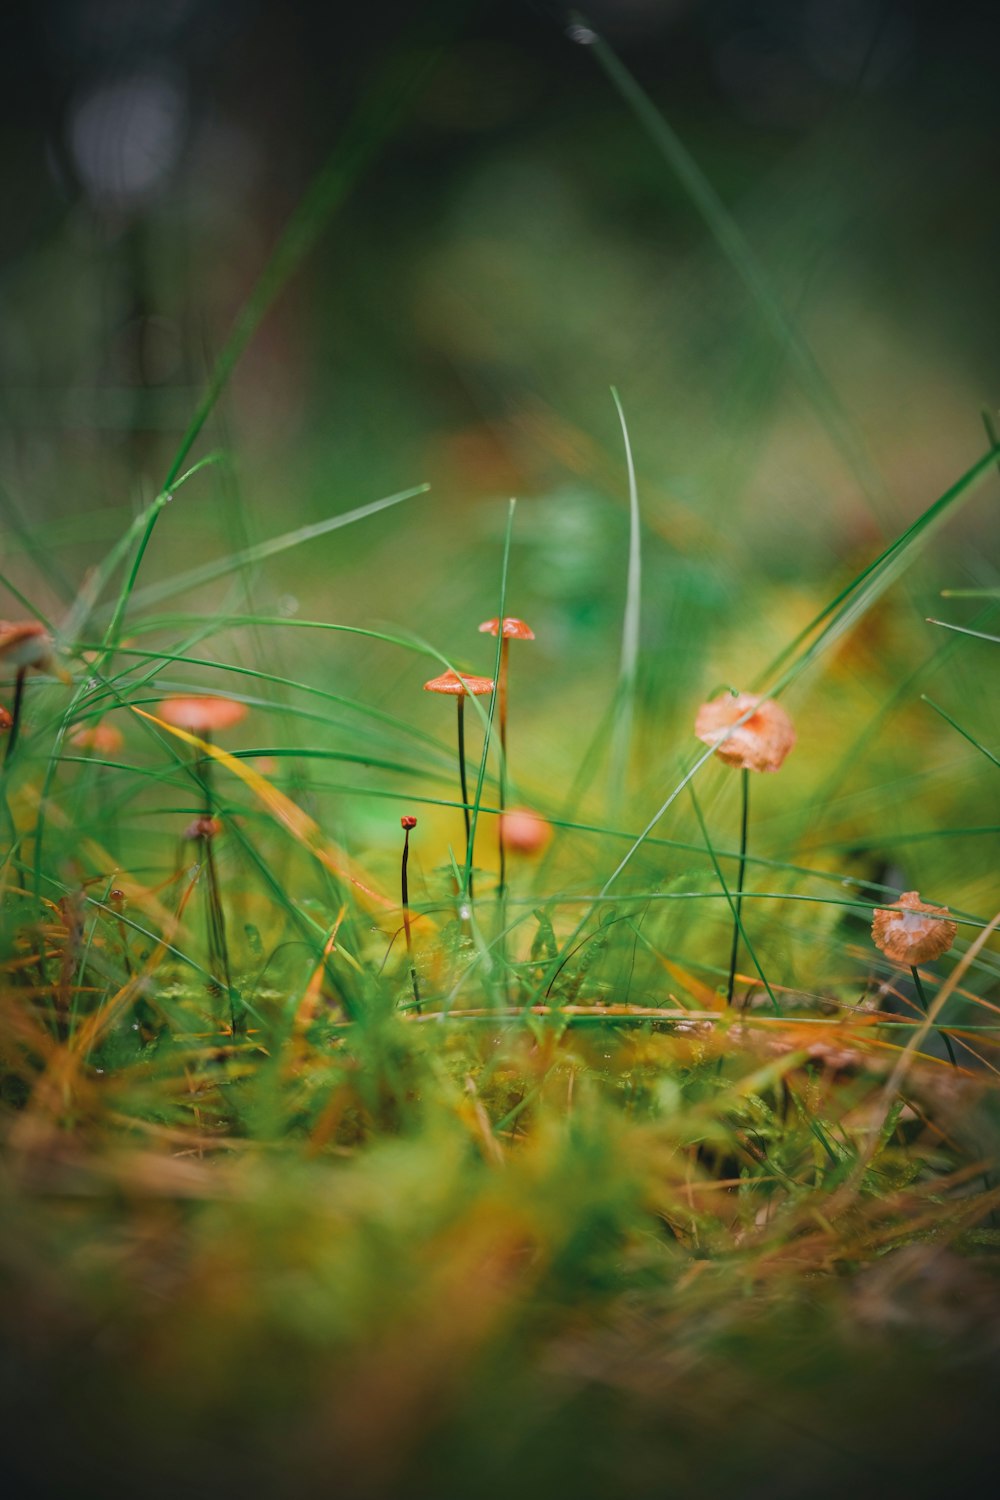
[513,629]
[203,827]
[510,629]
[26,646]
[459,687]
[524,831]
[203,716]
[760,743]
[911,932]
[104,739]
[753,734]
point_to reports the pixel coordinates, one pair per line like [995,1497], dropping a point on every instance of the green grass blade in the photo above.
[736,249]
[958,728]
[846,608]
[488,737]
[208,572]
[979,635]
[621,742]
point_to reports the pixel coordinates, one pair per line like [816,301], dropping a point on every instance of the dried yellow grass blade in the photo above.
[309,1004]
[299,824]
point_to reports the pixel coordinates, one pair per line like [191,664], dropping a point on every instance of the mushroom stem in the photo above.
[218,946]
[405,889]
[738,904]
[204,771]
[463,777]
[502,685]
[15,716]
[925,1004]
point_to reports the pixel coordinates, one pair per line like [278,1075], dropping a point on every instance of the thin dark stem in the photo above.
[738,904]
[218,946]
[460,700]
[15,717]
[504,653]
[126,959]
[404,884]
[925,1004]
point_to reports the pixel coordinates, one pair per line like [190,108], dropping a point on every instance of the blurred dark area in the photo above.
[514,245]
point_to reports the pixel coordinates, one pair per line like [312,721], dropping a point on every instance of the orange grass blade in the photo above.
[310,999]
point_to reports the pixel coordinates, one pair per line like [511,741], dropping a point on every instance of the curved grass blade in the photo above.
[868,585]
[382,107]
[979,635]
[736,249]
[481,777]
[192,578]
[958,728]
[621,742]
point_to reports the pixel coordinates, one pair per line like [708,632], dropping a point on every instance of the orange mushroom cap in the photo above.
[26,643]
[515,630]
[524,831]
[760,743]
[106,739]
[408,822]
[202,715]
[203,827]
[5,720]
[459,687]
[911,932]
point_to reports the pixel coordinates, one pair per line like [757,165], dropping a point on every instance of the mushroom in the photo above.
[513,629]
[753,734]
[27,646]
[203,827]
[203,716]
[104,739]
[206,716]
[911,932]
[759,743]
[524,831]
[510,629]
[459,687]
